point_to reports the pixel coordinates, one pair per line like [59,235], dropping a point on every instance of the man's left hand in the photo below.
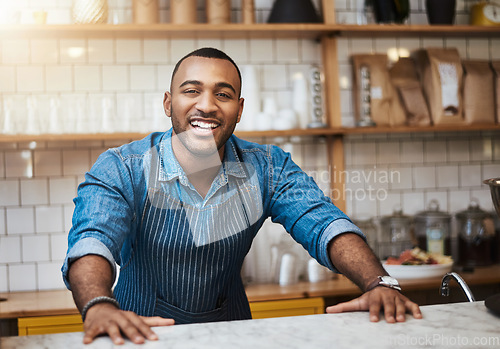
[394,304]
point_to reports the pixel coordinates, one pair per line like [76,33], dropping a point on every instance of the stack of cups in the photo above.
[183,11]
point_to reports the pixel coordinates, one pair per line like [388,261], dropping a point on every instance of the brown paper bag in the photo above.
[495,65]
[385,107]
[440,72]
[479,99]
[405,79]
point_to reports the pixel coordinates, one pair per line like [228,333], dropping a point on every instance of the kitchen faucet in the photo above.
[445,289]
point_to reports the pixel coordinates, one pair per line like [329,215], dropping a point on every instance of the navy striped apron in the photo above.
[186,259]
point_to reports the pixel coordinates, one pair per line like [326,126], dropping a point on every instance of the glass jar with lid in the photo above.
[396,234]
[476,234]
[432,229]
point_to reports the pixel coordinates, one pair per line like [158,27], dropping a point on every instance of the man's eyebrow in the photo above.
[190,82]
[199,83]
[227,85]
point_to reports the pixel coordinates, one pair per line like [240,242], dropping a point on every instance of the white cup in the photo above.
[288,272]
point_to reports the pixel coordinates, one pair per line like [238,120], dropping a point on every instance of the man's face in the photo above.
[204,104]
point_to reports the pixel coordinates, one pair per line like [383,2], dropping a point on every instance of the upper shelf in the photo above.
[173,31]
[332,131]
[399,30]
[242,31]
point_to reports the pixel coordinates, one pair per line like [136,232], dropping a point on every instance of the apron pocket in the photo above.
[181,316]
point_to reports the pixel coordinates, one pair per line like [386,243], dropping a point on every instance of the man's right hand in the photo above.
[105,318]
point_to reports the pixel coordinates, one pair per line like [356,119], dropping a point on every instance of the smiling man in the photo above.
[178,212]
[205,106]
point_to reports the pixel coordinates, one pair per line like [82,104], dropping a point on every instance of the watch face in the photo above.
[492,12]
[390,280]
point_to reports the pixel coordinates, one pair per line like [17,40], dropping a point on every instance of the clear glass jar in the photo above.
[396,235]
[90,11]
[432,230]
[476,236]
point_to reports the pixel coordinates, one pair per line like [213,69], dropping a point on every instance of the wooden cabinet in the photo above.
[49,324]
[287,307]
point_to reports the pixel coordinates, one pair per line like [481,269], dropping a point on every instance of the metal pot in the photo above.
[432,229]
[476,234]
[396,234]
[494,184]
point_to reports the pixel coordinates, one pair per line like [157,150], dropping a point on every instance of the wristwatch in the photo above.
[386,281]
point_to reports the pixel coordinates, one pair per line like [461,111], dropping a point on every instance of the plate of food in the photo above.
[418,264]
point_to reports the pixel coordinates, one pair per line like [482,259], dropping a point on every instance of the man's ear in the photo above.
[241,102]
[167,104]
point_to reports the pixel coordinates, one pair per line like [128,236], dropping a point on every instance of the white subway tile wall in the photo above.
[48,276]
[430,166]
[49,219]
[11,249]
[2,222]
[35,248]
[3,279]
[38,181]
[34,192]
[22,277]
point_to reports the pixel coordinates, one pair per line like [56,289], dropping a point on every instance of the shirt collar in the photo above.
[170,167]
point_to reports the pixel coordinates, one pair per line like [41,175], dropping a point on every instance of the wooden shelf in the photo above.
[70,137]
[311,132]
[291,133]
[134,136]
[172,31]
[421,129]
[399,30]
[244,31]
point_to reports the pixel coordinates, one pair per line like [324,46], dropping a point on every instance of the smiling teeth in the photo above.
[202,124]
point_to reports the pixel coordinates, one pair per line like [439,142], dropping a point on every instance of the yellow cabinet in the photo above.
[288,307]
[260,310]
[49,324]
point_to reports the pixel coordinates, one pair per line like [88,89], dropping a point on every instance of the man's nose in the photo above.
[207,103]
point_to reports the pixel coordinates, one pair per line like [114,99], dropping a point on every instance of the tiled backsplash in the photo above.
[38,180]
[411,170]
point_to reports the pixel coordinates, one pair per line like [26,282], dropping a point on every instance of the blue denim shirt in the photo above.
[180,254]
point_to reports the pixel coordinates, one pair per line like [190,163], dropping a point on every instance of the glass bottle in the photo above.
[365,119]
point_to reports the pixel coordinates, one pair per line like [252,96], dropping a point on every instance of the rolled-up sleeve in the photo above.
[334,229]
[85,247]
[104,215]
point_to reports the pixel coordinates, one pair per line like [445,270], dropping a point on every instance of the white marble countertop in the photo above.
[450,325]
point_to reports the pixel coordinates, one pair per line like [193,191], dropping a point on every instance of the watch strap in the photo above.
[373,284]
[379,282]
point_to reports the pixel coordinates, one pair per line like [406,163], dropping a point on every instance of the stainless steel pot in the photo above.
[494,184]
[476,235]
[432,229]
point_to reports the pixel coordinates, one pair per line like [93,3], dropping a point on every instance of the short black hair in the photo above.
[207,52]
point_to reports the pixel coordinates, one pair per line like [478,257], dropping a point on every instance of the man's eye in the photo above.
[190,91]
[223,95]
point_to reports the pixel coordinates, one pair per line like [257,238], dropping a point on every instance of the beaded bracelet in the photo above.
[97,300]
